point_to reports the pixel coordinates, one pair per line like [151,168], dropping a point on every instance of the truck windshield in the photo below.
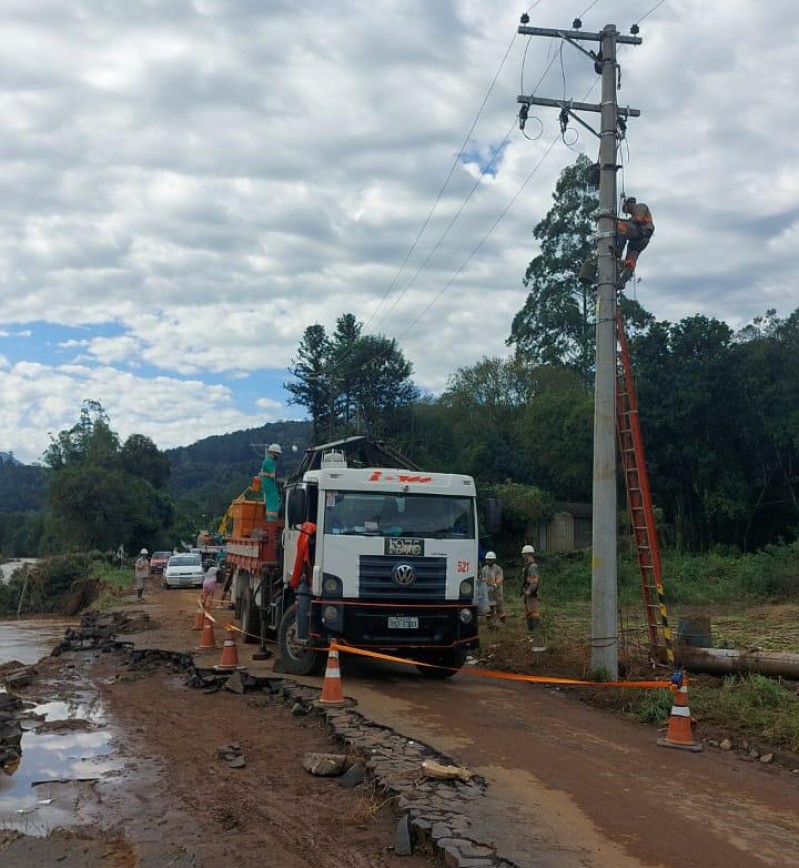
[359,513]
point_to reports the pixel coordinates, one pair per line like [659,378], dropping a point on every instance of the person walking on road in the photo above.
[209,585]
[529,592]
[141,572]
[494,579]
[269,482]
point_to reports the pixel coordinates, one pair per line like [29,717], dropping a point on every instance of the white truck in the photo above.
[393,564]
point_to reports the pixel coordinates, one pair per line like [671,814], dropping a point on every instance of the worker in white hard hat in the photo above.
[494,579]
[141,572]
[269,481]
[530,592]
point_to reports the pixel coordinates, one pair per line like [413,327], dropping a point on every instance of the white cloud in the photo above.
[206,179]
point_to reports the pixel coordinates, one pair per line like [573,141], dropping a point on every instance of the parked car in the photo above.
[158,562]
[184,571]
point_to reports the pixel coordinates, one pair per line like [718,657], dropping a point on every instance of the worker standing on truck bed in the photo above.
[269,482]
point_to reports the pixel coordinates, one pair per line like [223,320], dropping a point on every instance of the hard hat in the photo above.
[144,552]
[490,556]
[528,550]
[275,447]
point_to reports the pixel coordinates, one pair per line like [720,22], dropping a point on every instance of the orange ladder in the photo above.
[639,505]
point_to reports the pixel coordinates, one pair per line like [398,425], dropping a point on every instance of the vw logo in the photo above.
[404,574]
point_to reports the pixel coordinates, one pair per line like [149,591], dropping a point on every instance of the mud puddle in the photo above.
[66,750]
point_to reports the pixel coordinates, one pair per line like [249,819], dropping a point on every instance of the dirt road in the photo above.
[569,785]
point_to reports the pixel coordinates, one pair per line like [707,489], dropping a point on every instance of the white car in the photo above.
[184,571]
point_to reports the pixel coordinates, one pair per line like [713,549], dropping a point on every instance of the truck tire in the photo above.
[250,619]
[296,659]
[451,658]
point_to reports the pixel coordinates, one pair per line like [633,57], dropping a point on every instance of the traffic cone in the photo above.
[207,640]
[332,688]
[199,618]
[679,734]
[230,654]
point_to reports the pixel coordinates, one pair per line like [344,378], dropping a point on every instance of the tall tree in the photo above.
[311,386]
[350,382]
[556,325]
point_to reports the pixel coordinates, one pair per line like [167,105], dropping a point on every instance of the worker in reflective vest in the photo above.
[302,579]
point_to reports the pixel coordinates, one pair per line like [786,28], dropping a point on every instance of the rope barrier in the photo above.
[664,684]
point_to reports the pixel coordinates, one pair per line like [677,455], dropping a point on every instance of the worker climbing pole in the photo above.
[604,592]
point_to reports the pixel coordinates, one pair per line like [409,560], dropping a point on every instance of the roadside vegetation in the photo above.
[752,600]
[65,584]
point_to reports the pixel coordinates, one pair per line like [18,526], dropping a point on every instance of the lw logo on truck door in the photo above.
[404,574]
[404,546]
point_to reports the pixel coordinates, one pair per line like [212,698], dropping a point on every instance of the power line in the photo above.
[483,240]
[588,9]
[452,168]
[660,3]
[469,195]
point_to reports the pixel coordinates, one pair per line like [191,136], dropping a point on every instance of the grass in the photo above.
[761,709]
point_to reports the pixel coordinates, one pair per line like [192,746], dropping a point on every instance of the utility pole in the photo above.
[604,593]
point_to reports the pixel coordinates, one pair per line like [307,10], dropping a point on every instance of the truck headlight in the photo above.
[330,613]
[331,586]
[466,616]
[467,588]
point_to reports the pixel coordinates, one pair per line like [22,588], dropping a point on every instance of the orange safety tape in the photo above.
[505,676]
[481,673]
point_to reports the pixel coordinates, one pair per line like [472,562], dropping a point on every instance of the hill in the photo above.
[23,487]
[208,474]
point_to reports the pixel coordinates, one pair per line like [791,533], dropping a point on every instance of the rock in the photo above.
[441,831]
[726,744]
[324,764]
[754,754]
[767,758]
[298,709]
[745,745]
[235,684]
[403,846]
[352,777]
[237,762]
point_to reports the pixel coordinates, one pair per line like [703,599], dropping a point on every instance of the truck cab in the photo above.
[394,565]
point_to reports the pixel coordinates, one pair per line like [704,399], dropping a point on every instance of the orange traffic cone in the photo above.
[207,640]
[679,732]
[230,654]
[199,618]
[332,688]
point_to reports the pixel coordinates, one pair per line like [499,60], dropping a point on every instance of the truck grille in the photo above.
[376,578]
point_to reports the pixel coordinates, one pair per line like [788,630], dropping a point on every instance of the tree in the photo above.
[350,382]
[310,387]
[555,325]
[103,494]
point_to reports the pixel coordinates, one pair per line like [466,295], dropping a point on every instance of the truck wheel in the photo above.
[250,619]
[452,659]
[296,659]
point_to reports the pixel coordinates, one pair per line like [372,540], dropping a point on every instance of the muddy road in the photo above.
[568,785]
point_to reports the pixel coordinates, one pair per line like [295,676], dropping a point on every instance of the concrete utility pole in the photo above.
[604,620]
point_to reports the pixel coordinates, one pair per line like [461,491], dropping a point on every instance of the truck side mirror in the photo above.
[296,506]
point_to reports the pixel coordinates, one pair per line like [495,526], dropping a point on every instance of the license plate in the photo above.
[403,623]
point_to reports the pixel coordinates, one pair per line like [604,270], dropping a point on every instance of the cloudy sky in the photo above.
[188,184]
